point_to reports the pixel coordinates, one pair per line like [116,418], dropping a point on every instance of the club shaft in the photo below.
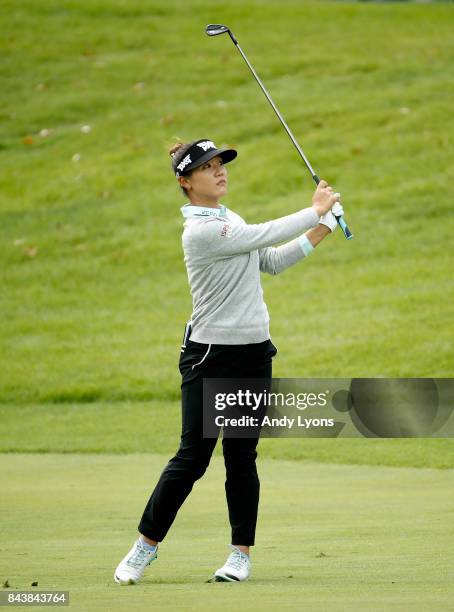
[340,220]
[281,118]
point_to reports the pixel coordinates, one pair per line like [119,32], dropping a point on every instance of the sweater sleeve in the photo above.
[220,237]
[276,260]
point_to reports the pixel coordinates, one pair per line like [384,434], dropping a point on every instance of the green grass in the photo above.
[94,292]
[98,312]
[330,537]
[154,427]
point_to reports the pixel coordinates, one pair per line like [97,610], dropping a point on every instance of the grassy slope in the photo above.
[154,427]
[387,543]
[96,314]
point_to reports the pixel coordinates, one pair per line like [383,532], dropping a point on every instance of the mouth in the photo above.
[221,182]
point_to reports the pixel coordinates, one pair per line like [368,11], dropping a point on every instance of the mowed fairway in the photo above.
[330,537]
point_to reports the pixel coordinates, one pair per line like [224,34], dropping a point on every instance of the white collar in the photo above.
[188,210]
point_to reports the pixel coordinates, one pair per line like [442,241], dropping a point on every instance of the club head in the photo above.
[214,29]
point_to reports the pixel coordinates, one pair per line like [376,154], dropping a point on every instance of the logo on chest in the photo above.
[226,231]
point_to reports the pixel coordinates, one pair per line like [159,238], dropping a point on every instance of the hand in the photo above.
[330,219]
[323,198]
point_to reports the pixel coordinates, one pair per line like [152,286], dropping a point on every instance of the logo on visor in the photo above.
[206,144]
[182,165]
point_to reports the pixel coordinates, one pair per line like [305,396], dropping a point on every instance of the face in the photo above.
[207,183]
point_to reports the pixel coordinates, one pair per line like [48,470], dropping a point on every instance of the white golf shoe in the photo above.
[131,568]
[236,568]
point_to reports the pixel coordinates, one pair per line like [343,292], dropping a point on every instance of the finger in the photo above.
[337,195]
[322,184]
[337,210]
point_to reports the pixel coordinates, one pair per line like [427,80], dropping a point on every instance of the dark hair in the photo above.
[177,152]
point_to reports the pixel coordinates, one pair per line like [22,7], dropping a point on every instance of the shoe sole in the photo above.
[123,582]
[226,578]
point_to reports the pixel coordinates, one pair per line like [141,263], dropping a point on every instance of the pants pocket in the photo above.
[193,357]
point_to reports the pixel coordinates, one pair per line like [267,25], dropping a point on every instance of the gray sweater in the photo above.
[224,257]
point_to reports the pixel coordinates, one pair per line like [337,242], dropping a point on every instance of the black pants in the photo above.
[242,483]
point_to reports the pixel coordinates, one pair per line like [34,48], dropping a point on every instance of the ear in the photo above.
[184,182]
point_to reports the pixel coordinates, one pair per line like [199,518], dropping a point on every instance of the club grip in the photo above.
[344,228]
[340,220]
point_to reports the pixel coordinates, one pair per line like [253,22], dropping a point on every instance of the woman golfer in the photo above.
[228,337]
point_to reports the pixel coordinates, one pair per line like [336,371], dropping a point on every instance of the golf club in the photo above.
[215,30]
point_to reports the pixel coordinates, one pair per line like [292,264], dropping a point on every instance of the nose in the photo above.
[220,168]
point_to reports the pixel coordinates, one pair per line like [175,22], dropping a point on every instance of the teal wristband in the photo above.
[306,245]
